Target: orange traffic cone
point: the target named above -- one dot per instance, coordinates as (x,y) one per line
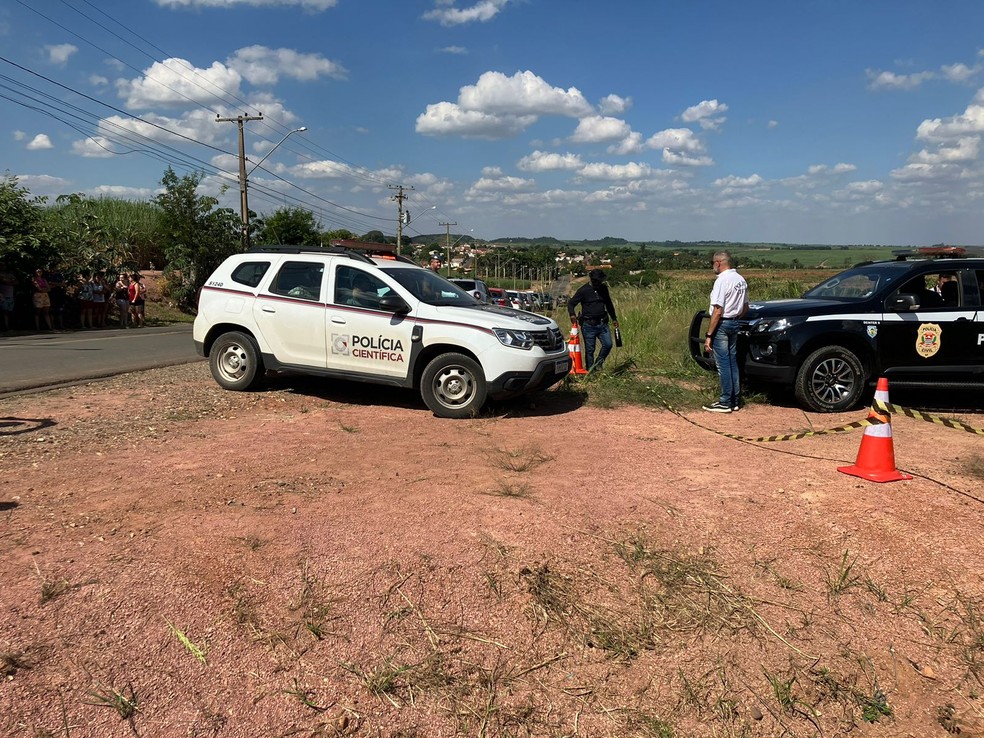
(574,349)
(876,457)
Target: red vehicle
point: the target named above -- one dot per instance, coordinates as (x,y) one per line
(497,295)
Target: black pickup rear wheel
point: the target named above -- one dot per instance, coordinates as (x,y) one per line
(831,380)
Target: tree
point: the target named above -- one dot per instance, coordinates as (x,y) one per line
(23,245)
(195,234)
(103,233)
(293,226)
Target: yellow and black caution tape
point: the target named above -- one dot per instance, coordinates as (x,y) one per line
(887,407)
(877,406)
(847,427)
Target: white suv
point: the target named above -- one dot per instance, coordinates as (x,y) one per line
(373,317)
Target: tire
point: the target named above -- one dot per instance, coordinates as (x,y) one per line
(453,386)
(235,362)
(831,380)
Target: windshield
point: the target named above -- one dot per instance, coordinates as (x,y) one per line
(431,288)
(859,283)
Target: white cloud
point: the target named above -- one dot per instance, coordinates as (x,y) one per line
(772,124)
(674,159)
(733,181)
(39,142)
(971,121)
(596,128)
(522,94)
(328,169)
(959,72)
(706,113)
(448,15)
(260,65)
(448,119)
(230,4)
(631,144)
(599,170)
(677,139)
(95,147)
(44,184)
(60,53)
(97,80)
(962,150)
(543,161)
(19,135)
(454,50)
(869,187)
(498,106)
(177,82)
(892,81)
(614,105)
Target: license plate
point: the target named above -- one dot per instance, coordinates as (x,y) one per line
(562,367)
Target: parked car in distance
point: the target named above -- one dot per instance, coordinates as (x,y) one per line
(474,287)
(498,296)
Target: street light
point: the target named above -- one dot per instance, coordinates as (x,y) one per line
(244,179)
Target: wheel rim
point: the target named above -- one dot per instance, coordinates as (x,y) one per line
(454,387)
(833,381)
(233,362)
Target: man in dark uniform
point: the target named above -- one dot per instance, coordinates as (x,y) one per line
(596,309)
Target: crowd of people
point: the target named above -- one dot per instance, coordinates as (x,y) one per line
(50,300)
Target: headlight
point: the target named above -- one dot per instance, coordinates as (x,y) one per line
(516,339)
(773,326)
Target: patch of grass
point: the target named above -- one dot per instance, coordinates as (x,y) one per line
(519,460)
(305,697)
(381,680)
(504,488)
(313,604)
(842,578)
(347,428)
(193,648)
(124,702)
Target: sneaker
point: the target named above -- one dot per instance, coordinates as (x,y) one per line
(718,407)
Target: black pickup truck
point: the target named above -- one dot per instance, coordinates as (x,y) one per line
(917,320)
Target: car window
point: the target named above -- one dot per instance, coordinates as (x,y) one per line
(926,289)
(857,284)
(300,279)
(358,288)
(431,288)
(250,273)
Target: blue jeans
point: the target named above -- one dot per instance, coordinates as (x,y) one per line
(724,346)
(591,334)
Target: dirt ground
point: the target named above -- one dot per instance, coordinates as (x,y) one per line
(177,560)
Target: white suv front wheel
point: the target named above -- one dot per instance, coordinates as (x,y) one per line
(453,386)
(235,361)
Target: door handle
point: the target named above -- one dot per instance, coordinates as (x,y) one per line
(338,321)
(267,309)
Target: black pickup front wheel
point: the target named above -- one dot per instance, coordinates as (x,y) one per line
(831,380)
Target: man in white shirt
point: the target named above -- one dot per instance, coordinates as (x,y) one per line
(729,302)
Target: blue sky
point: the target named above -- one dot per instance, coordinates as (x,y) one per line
(801,122)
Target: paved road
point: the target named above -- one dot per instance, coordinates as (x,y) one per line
(31,361)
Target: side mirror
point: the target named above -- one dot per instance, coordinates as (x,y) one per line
(902,303)
(393,304)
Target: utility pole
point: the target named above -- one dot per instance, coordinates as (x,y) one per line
(447,242)
(404,217)
(243,201)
